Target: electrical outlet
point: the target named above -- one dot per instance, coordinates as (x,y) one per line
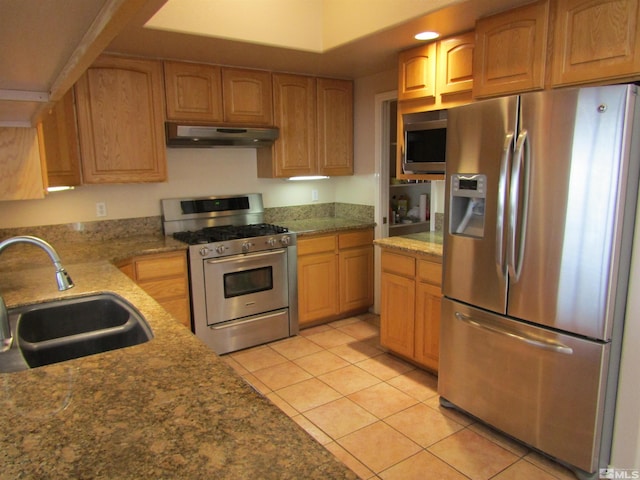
(101,209)
(314,195)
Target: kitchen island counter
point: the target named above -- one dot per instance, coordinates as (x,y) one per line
(168,408)
(319,225)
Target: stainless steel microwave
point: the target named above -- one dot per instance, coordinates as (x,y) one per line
(425,146)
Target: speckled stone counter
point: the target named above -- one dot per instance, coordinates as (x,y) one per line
(169,408)
(313,226)
(428,243)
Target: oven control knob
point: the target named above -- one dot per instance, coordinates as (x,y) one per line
(220,249)
(246,246)
(272,242)
(204,251)
(285,240)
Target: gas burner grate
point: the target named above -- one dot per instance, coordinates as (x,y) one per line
(229,232)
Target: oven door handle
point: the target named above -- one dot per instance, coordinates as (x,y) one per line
(248,256)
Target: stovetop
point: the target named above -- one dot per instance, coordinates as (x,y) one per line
(228,232)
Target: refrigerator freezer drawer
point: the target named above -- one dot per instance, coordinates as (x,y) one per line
(539,386)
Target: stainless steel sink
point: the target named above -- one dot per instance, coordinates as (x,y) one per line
(60,330)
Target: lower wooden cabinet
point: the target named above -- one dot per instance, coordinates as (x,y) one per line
(410,307)
(335,275)
(164,276)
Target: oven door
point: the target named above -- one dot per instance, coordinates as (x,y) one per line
(243,285)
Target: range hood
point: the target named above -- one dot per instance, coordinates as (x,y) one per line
(197,136)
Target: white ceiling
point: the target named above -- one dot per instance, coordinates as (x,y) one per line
(341,38)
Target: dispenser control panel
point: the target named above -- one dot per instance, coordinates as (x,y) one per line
(469,186)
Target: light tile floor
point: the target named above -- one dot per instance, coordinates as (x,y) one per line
(379,414)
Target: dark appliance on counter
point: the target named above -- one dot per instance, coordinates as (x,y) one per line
(541,194)
(242,271)
(425,142)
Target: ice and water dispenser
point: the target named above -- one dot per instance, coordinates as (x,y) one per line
(468,193)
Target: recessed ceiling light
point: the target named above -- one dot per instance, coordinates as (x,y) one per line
(427,35)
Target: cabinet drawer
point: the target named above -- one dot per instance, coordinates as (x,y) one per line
(430,272)
(317,244)
(161,266)
(355,239)
(399,264)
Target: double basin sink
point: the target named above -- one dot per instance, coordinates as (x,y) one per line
(61,330)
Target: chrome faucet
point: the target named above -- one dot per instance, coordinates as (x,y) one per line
(62,278)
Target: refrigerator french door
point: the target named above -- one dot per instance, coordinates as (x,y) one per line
(539,212)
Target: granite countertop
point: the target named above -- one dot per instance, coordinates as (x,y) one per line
(428,243)
(319,225)
(168,408)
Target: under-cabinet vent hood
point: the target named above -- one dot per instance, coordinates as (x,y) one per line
(195,136)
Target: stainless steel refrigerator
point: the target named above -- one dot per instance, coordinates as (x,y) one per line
(539,212)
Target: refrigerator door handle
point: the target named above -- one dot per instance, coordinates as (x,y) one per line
(502,196)
(542,343)
(515,246)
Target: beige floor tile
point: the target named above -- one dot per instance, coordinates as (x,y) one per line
(385,366)
(340,417)
(382,400)
(251,379)
(305,332)
(308,394)
(350,461)
(378,446)
(282,404)
(360,330)
(349,379)
(257,358)
(452,413)
(321,437)
(422,466)
(507,443)
(558,471)
(417,383)
(331,338)
(523,470)
(423,425)
(473,455)
(344,321)
(355,352)
(281,375)
(234,364)
(295,347)
(321,362)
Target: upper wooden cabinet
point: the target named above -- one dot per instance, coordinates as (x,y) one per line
(510,51)
(315,117)
(209,93)
(334,101)
(247,96)
(596,40)
(455,64)
(22,164)
(193,92)
(120,107)
(417,72)
(59,134)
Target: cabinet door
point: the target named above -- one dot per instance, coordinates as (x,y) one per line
(596,40)
(417,72)
(294,152)
(397,313)
(120,107)
(510,51)
(427,328)
(247,96)
(455,64)
(21,164)
(356,278)
(317,287)
(193,92)
(60,138)
(335,126)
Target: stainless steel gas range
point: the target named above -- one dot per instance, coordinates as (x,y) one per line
(243,272)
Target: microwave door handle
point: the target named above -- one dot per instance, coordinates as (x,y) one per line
(502,202)
(519,176)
